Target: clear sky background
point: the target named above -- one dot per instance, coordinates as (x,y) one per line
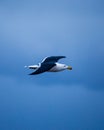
(33,29)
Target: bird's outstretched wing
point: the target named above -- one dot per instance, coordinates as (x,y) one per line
(43,68)
(52,59)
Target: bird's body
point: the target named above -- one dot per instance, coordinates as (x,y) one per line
(49,64)
(58,67)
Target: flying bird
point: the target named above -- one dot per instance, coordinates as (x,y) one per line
(49,64)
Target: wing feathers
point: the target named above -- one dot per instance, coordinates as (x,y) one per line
(52,59)
(43,68)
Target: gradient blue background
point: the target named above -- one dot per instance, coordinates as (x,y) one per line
(33,29)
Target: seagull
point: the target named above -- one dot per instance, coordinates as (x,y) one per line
(49,64)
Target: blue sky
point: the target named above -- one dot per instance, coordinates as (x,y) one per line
(32,30)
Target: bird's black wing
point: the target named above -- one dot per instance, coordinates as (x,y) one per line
(43,68)
(52,59)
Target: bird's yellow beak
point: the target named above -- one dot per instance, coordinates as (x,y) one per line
(69,68)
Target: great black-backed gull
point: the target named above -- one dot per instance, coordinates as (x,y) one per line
(49,64)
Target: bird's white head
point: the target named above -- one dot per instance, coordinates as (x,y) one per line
(67,67)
